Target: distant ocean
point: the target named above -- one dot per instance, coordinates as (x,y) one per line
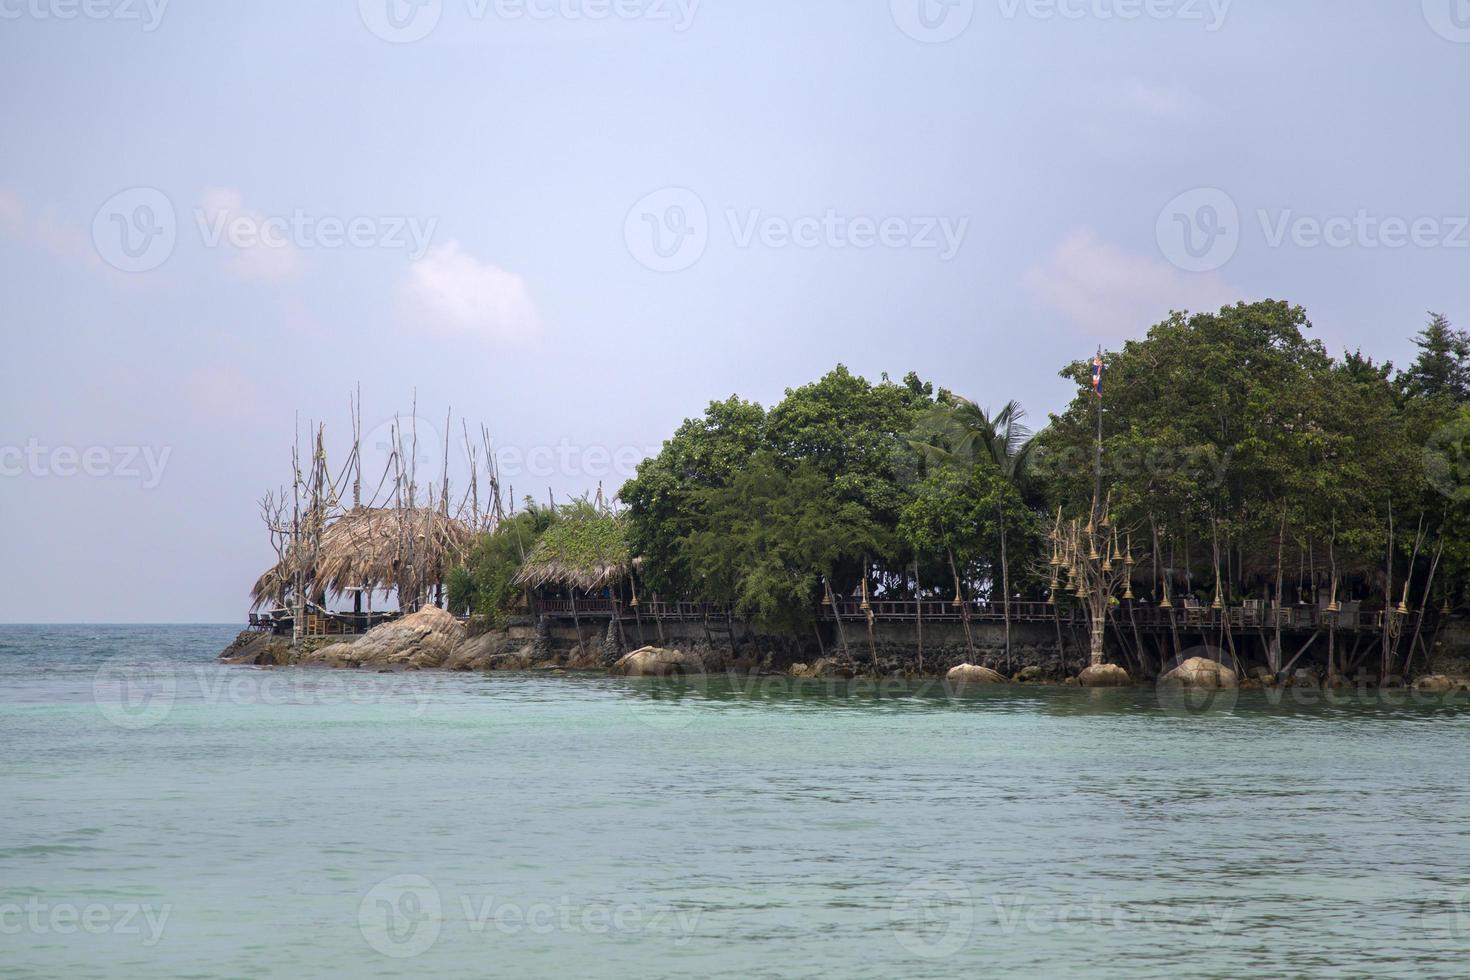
(166,816)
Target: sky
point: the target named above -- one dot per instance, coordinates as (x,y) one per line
(577,222)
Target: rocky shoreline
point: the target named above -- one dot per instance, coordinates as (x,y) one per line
(433,640)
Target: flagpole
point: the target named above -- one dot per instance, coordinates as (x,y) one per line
(1097,464)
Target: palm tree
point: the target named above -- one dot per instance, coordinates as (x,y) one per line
(972,433)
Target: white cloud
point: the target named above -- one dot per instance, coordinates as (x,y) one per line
(1105,289)
(453,292)
(12,214)
(258,250)
(1169,103)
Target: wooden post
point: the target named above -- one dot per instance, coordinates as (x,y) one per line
(919,613)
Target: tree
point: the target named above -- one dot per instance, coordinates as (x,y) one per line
(664,499)
(1442,369)
(965,433)
(483,585)
(768,538)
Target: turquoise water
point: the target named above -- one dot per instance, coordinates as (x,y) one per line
(165,816)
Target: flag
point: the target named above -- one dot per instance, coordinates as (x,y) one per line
(1097,371)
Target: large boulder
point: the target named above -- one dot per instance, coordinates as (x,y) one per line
(332,655)
(1441,684)
(492,650)
(1104,675)
(657,662)
(420,641)
(259,649)
(1201,672)
(973,674)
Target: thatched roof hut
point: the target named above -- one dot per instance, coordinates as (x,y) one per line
(582,550)
(378,549)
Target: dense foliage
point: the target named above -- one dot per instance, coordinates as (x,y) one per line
(1237,453)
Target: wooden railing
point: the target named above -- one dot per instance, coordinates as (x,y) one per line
(1066,613)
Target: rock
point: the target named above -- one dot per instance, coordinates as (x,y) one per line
(260,649)
(656,662)
(1070,682)
(1104,675)
(333,655)
(1304,678)
(1200,672)
(801,670)
(424,639)
(1031,675)
(971,674)
(1261,673)
(1441,684)
(831,667)
(480,652)
(1252,684)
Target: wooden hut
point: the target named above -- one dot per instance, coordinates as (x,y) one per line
(408,551)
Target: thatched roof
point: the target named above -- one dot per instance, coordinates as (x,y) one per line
(376,548)
(580,550)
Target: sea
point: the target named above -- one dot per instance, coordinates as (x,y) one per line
(167,816)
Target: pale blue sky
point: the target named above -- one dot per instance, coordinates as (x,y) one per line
(1048,141)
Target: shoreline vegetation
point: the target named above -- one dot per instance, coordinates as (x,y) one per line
(1222,504)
